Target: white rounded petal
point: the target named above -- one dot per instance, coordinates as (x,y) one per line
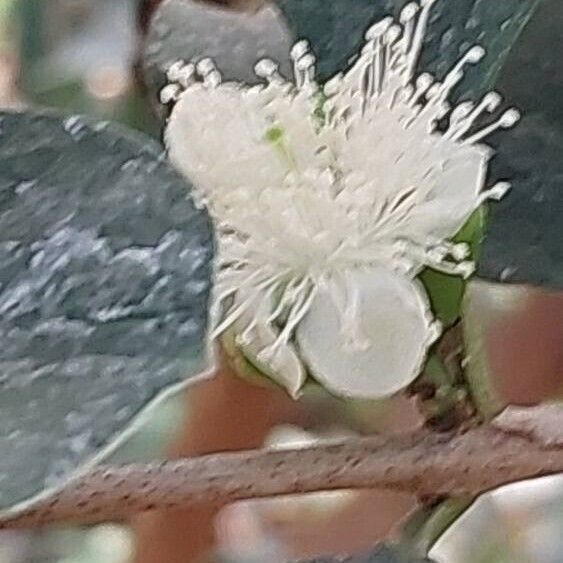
(232,137)
(454,194)
(396,328)
(444,180)
(215,137)
(283,366)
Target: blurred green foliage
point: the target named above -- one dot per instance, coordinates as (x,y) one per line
(81,57)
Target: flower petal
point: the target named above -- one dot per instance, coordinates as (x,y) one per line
(454,193)
(232,137)
(255,335)
(393,315)
(382,160)
(283,365)
(214,137)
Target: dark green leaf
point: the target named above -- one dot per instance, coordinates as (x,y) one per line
(446,292)
(76,56)
(523,243)
(525,231)
(190,30)
(457,24)
(104,288)
(336,31)
(383,554)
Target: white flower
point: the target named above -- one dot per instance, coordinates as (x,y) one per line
(329,201)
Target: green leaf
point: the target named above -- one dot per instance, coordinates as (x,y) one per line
(457,24)
(105,267)
(65,56)
(383,554)
(446,292)
(336,31)
(525,230)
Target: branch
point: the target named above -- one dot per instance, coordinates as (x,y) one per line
(423,463)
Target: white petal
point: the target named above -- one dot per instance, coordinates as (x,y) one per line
(215,138)
(381,161)
(386,139)
(395,321)
(221,137)
(454,194)
(284,366)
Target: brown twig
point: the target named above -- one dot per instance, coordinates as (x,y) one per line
(423,463)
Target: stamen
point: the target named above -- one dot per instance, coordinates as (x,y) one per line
(285,300)
(181,73)
(366,64)
(378,67)
(389,40)
(299,49)
(379,29)
(298,310)
(350,329)
(245,336)
(270,283)
(205,66)
(268,69)
(170,93)
(187,76)
(332,86)
(174,71)
(392,34)
(213,79)
(423,83)
(434,257)
(490,103)
(409,12)
(228,292)
(507,120)
(458,118)
(418,38)
(408,93)
(231,317)
(408,15)
(306,66)
(434,90)
(473,56)
(208,71)
(464,269)
(496,193)
(460,251)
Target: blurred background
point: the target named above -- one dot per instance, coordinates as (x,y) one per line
(83,56)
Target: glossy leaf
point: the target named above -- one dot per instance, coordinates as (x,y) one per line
(336,31)
(446,292)
(104,287)
(524,237)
